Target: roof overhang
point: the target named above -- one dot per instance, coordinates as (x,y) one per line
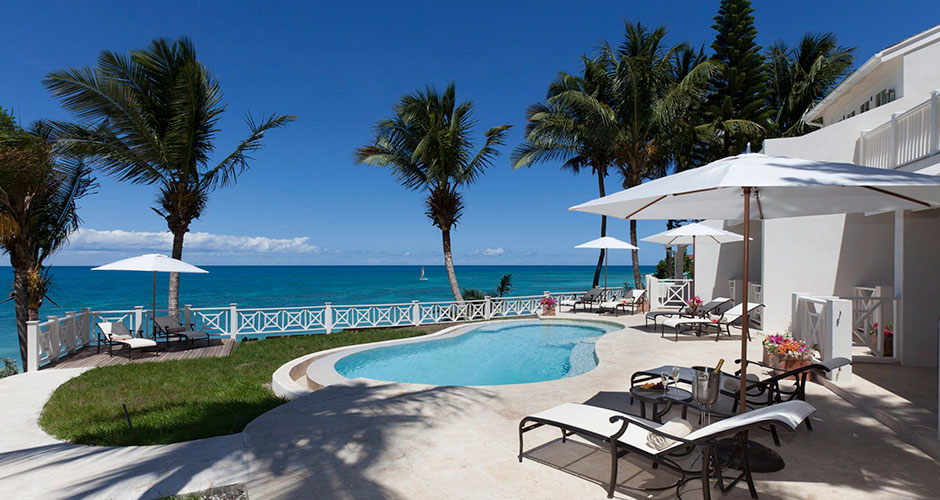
(915,42)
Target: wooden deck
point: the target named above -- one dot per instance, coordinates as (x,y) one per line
(87,357)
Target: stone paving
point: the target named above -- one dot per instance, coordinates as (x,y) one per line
(370,440)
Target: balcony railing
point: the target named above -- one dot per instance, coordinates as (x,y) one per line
(906,138)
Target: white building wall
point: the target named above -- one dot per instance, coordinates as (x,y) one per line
(830,255)
(716,264)
(921,301)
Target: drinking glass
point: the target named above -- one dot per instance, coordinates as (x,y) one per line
(675,376)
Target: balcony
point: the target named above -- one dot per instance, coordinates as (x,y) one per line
(908,137)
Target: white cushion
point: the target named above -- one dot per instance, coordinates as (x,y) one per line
(676,427)
(674,322)
(136,343)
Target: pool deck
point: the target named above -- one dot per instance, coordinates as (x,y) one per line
(371,440)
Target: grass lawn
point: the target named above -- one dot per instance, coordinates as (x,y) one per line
(189,399)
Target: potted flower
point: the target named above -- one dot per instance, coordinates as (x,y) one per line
(784,353)
(694,304)
(887,338)
(548,306)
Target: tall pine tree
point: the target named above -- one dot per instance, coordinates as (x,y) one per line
(737,111)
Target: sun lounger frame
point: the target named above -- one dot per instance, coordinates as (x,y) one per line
(706,445)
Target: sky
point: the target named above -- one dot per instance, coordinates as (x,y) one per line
(340,66)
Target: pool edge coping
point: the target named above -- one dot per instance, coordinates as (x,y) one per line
(321,371)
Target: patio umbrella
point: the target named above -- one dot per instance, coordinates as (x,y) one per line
(607,243)
(686,235)
(757,186)
(152,262)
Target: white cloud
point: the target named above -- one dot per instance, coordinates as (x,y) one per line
(118,240)
(494,251)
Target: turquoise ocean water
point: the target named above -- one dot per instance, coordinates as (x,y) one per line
(267,286)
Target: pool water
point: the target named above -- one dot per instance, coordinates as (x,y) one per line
(515,352)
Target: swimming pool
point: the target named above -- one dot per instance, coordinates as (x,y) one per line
(514,352)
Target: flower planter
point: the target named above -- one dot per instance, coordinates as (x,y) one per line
(783,364)
(548,310)
(888,347)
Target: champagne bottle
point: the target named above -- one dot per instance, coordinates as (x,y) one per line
(720,362)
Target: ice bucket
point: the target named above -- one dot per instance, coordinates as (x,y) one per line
(705,386)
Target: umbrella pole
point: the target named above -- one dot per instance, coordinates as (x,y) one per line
(606,256)
(153,315)
(746,319)
(693,266)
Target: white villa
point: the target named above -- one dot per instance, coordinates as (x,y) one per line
(886,115)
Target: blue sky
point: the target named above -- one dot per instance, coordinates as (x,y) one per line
(340,66)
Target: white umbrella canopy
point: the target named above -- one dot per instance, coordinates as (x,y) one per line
(757,186)
(689,233)
(151,262)
(154,262)
(607,243)
(779,186)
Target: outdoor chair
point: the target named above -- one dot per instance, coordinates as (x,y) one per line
(589,298)
(768,391)
(724,321)
(116,333)
(713,306)
(664,445)
(632,299)
(169,327)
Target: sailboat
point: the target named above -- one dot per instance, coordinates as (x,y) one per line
(422,278)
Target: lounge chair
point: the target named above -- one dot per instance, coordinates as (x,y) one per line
(169,327)
(632,299)
(589,298)
(713,306)
(664,444)
(760,392)
(116,333)
(725,320)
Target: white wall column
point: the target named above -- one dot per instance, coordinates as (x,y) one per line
(899,285)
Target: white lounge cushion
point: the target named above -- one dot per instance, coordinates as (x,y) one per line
(568,302)
(675,322)
(676,427)
(610,304)
(597,421)
(136,343)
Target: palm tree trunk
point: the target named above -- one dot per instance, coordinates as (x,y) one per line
(600,258)
(449,265)
(637,283)
(173,301)
(23,314)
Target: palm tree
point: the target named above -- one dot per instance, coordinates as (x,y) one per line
(150,118)
(648,106)
(39,187)
(504,286)
(800,76)
(426,142)
(580,136)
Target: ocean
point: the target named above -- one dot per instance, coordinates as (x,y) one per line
(73,288)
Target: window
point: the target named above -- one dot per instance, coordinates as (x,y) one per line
(864,107)
(884,97)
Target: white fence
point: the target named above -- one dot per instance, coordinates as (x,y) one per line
(57,337)
(668,292)
(873,309)
(826,323)
(908,137)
